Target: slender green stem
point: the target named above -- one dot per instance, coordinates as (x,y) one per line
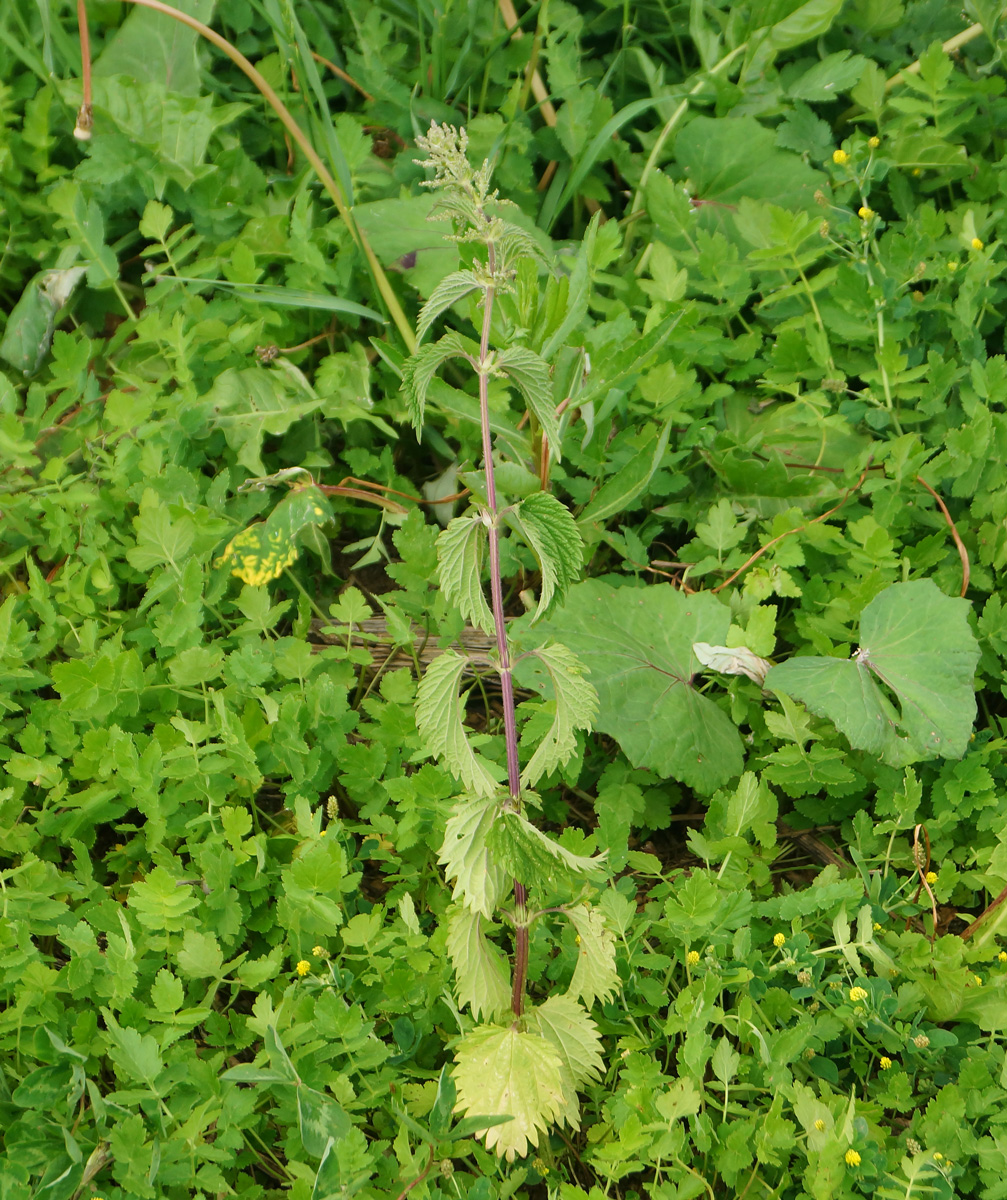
(328,182)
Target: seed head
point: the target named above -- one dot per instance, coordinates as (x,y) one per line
(921,1041)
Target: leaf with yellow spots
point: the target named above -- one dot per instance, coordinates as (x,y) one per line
(265,550)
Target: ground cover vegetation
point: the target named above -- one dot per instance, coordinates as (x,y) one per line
(508,704)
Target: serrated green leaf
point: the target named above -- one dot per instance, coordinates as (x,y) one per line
(480,881)
(916,642)
(439,719)
(530,375)
(450,290)
(526,853)
(594,976)
(507,1072)
(481,979)
(555,540)
(564,1023)
(264,551)
(637,644)
(420,368)
(629,481)
(576,706)
(460,549)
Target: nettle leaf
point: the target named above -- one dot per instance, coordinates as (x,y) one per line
(264,551)
(525,852)
(551,532)
(481,978)
(480,882)
(595,976)
(576,706)
(439,719)
(450,290)
(502,1072)
(460,550)
(530,375)
(916,642)
(419,370)
(564,1023)
(637,644)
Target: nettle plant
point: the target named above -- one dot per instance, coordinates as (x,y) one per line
(522,1060)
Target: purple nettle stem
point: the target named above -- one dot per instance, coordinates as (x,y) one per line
(503,649)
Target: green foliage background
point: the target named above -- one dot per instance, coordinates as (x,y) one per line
(795,305)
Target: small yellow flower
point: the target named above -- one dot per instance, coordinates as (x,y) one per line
(938,1157)
(931,877)
(917,171)
(874,142)
(820,1125)
(1002,956)
(865,213)
(977,243)
(692,958)
(857,994)
(978,980)
(952,266)
(852,1158)
(323,832)
(303,967)
(840,157)
(877,926)
(885,1063)
(779,939)
(318,951)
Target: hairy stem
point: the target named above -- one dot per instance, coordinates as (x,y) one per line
(503,648)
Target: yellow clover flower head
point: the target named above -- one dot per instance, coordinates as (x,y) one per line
(865,213)
(874,142)
(692,958)
(303,967)
(779,939)
(885,1063)
(840,158)
(857,994)
(852,1158)
(318,951)
(820,1125)
(938,1157)
(1002,956)
(977,243)
(978,980)
(952,266)
(931,877)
